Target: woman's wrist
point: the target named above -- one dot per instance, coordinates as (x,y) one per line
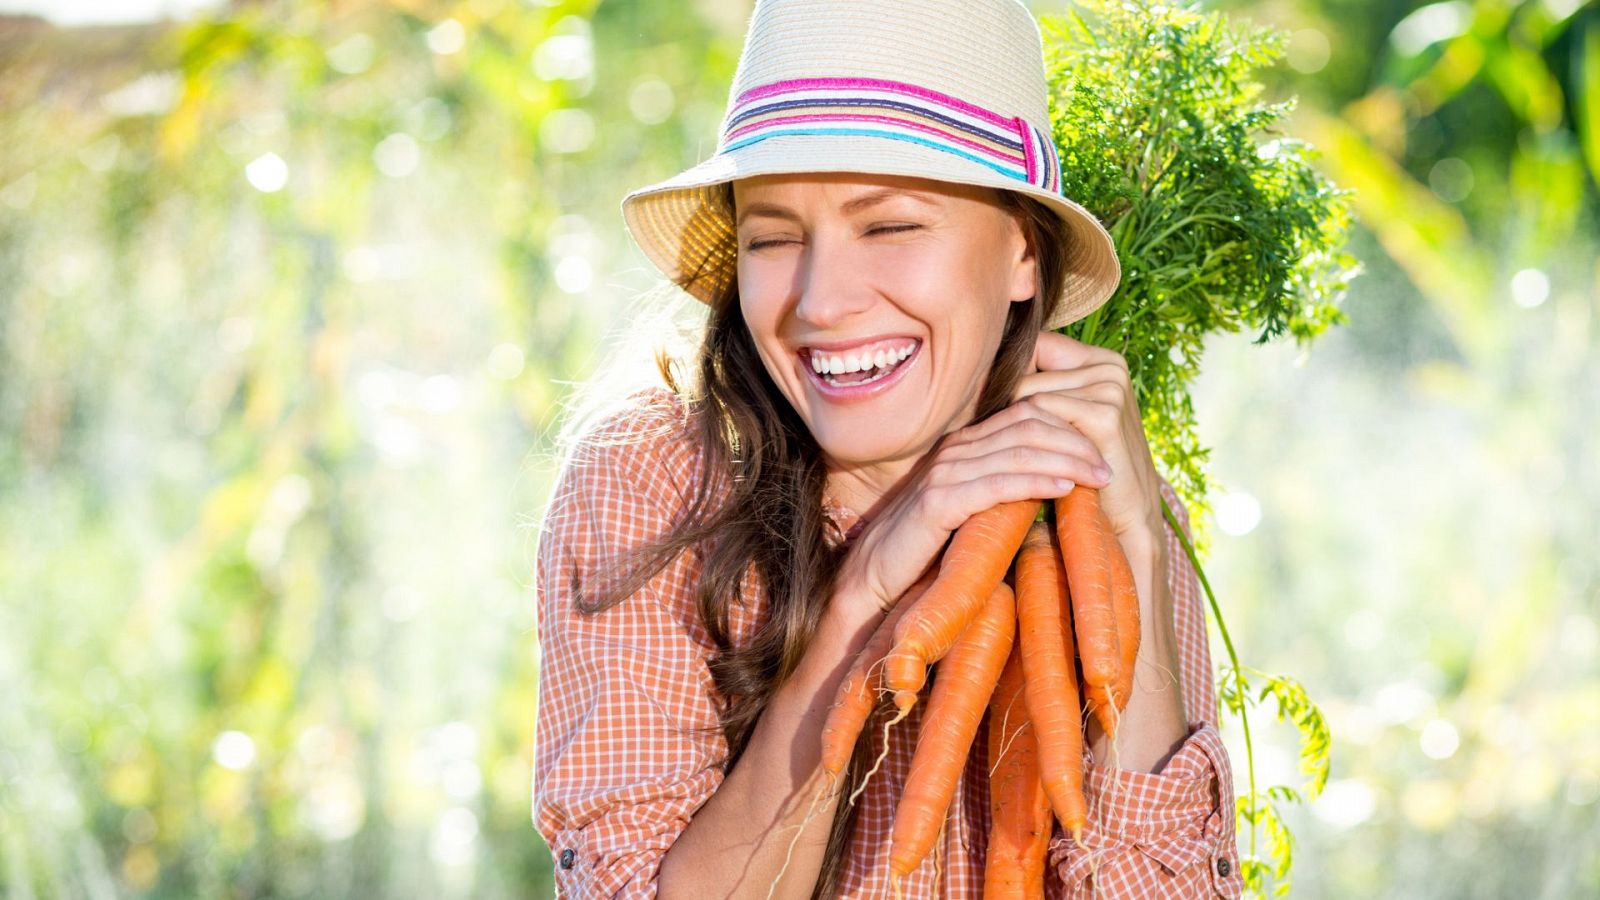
(854,610)
(855,591)
(1153,725)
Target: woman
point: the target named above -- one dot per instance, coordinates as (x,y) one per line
(879,238)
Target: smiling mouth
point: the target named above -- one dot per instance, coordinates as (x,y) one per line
(870,369)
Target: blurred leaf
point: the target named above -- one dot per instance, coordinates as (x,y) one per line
(1526,83)
(1587,64)
(1547,187)
(1428,238)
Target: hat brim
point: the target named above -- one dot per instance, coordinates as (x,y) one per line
(685,228)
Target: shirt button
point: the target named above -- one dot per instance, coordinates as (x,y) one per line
(1224,866)
(568,858)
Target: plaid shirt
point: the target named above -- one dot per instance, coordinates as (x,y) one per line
(627,743)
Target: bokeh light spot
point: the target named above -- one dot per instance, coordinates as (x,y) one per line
(1238,513)
(1451,179)
(506,362)
(1308,51)
(267,173)
(1345,803)
(447,37)
(567,131)
(1530,288)
(234,750)
(397,155)
(1439,739)
(353,55)
(651,101)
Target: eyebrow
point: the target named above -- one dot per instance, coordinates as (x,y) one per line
(851,207)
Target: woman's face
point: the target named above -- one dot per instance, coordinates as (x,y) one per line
(909,278)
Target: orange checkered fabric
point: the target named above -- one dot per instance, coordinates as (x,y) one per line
(628,744)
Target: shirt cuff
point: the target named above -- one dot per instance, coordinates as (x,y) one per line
(1175,818)
(586,867)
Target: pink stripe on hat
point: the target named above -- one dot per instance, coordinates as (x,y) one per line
(898,87)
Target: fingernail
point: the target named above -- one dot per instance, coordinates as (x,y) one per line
(1102,473)
(1063,484)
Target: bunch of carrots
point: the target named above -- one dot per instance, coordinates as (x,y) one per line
(1010,652)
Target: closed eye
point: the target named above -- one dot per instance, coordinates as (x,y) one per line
(881,229)
(892,229)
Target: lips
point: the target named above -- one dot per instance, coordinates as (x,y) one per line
(857,374)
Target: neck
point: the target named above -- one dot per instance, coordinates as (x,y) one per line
(864,488)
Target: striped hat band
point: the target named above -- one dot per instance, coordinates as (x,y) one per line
(875,107)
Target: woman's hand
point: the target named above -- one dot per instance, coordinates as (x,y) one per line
(1087,388)
(1026,451)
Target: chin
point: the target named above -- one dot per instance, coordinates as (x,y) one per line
(876,443)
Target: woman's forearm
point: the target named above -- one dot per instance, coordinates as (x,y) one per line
(1154,724)
(736,843)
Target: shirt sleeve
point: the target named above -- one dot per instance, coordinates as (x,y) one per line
(627,740)
(1167,834)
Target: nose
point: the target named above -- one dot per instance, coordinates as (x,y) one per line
(830,285)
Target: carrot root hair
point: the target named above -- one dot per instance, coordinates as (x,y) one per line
(901,714)
(788,855)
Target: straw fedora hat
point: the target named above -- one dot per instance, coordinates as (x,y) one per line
(951,90)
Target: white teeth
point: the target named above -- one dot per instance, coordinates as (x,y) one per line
(850,362)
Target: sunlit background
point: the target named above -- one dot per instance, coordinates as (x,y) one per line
(290,294)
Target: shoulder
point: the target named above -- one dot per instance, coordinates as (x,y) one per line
(629,477)
(628,470)
(647,437)
(652,416)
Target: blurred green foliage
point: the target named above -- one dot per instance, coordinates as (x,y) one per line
(290,297)
(286,294)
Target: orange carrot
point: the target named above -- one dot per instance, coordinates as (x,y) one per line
(1106,701)
(1125,604)
(1019,810)
(1089,576)
(976,559)
(961,693)
(1097,702)
(1049,683)
(856,697)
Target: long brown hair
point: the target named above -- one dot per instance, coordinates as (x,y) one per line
(759,510)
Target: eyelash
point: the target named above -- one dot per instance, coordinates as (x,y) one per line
(885,229)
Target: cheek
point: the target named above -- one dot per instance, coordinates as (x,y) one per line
(977,327)
(761,320)
(761,295)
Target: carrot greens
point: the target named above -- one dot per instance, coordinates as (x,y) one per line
(1221,223)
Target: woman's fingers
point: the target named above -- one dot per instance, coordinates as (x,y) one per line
(950,505)
(1037,444)
(1052,352)
(1028,423)
(1100,418)
(1023,460)
(1103,377)
(1018,411)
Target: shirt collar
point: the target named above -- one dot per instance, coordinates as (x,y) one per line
(845,524)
